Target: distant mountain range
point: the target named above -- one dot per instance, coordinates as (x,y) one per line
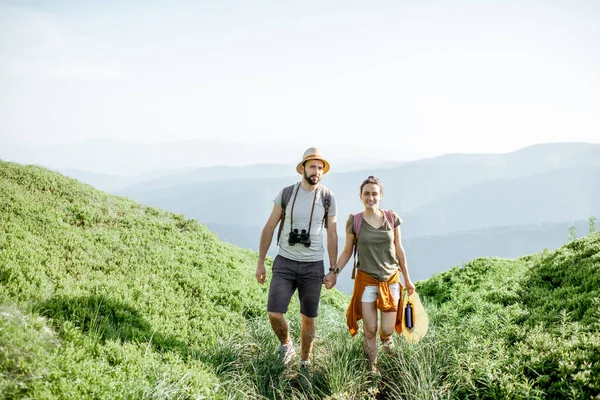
(544,183)
(128,159)
(455,207)
(556,196)
(112,182)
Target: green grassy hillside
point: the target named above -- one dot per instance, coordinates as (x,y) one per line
(103,298)
(523,328)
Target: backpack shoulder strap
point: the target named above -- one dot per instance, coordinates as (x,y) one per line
(326,199)
(286,195)
(356,223)
(389,215)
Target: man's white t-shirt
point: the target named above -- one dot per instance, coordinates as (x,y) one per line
(302,208)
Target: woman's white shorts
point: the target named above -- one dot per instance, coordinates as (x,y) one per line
(371,292)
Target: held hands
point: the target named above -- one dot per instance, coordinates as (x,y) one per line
(261,273)
(330,280)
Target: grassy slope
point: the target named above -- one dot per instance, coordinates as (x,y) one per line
(98,292)
(523,328)
(101,297)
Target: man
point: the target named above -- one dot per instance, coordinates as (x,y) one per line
(299,263)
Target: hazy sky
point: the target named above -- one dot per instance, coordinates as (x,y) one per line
(427,77)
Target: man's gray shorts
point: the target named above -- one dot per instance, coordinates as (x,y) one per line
(288,275)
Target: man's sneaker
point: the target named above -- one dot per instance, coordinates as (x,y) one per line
(286,352)
(306,378)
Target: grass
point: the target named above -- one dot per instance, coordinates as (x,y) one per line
(104,298)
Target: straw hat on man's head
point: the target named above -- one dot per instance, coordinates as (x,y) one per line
(313,153)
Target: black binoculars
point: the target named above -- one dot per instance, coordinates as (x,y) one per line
(302,237)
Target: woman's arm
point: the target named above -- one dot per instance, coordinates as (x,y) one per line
(332,241)
(347,252)
(331,279)
(401,255)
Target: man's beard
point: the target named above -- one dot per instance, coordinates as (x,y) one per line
(311,180)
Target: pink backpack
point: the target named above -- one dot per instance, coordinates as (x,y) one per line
(389,216)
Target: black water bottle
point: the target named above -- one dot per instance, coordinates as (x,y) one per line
(408,316)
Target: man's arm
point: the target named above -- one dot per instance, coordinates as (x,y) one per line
(265,242)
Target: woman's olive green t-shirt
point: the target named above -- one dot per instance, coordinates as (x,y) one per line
(376,250)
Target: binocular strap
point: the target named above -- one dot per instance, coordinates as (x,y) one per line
(311,211)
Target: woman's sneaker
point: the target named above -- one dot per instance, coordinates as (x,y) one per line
(387,345)
(286,352)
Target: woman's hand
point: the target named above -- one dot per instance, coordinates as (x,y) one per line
(410,287)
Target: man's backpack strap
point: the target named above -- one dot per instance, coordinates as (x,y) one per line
(286,195)
(357,222)
(326,197)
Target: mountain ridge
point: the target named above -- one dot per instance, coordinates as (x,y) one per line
(406,188)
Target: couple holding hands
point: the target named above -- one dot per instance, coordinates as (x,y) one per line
(303,211)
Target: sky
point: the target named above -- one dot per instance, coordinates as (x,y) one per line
(420,77)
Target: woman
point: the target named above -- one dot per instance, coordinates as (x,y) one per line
(377,283)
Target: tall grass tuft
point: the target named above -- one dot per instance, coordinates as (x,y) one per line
(248,368)
(416,371)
